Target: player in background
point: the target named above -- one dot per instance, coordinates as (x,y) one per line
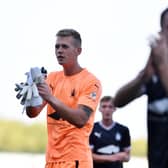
(109,140)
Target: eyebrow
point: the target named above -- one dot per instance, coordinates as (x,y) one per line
(57,46)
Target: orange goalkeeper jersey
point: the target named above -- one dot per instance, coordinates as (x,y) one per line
(65,141)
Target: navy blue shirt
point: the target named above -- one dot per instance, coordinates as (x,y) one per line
(109,141)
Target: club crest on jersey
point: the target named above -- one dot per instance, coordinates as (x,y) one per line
(93,95)
(118,136)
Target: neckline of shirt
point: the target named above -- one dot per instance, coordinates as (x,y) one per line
(73,76)
(107,127)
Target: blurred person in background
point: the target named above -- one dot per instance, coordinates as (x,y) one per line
(153,82)
(109,140)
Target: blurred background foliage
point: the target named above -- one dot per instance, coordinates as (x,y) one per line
(17,136)
(139,148)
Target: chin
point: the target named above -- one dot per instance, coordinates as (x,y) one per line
(60,63)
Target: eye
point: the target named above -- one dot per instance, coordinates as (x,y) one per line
(65,46)
(107,106)
(57,46)
(104,106)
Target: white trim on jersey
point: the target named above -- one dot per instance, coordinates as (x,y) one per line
(107,127)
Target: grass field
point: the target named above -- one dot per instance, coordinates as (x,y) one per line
(20,137)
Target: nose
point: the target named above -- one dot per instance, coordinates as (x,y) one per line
(58,50)
(58,47)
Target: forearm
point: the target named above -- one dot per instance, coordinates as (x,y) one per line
(121,156)
(101,158)
(129,92)
(76,116)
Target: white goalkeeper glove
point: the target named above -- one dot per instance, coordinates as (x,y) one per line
(28,90)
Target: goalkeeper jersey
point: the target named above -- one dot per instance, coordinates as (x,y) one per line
(65,141)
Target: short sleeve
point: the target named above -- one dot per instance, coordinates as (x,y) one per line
(126,141)
(91,94)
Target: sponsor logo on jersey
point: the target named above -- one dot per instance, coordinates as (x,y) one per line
(109,149)
(93,95)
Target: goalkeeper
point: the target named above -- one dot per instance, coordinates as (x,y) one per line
(72,96)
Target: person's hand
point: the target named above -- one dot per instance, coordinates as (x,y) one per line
(44,90)
(160,52)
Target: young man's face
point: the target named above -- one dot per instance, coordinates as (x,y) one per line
(107,108)
(65,50)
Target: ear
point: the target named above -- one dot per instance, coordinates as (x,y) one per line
(79,50)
